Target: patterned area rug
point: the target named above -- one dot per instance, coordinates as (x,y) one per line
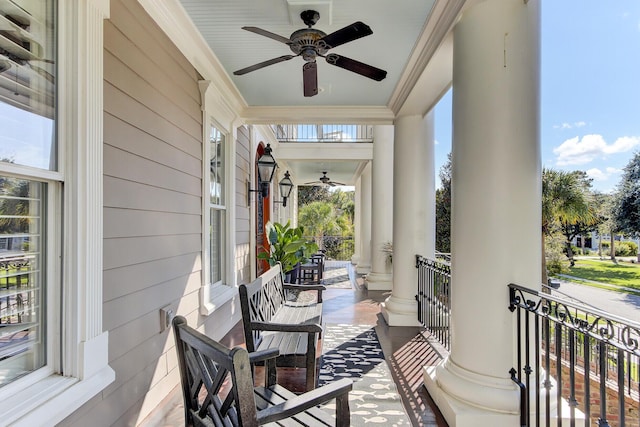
(336,276)
(353,351)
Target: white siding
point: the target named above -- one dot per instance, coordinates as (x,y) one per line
(243,223)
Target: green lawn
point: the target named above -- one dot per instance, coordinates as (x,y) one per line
(605,271)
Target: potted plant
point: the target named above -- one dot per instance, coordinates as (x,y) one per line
(288,247)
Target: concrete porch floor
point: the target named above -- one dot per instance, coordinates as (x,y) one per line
(406,350)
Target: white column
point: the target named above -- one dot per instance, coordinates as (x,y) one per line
(381,207)
(357,209)
(495,207)
(413,214)
(364,263)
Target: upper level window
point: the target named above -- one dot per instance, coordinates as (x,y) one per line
(27,83)
(217,208)
(27,138)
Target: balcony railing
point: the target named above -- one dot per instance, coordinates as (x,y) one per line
(587,361)
(323,133)
(338,248)
(434,298)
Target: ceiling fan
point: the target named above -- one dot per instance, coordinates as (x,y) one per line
(311,43)
(324,180)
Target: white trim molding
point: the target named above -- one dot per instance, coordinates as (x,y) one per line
(81,110)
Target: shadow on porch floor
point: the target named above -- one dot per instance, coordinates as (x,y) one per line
(406,350)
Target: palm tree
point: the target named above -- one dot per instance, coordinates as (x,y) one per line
(565,200)
(319,219)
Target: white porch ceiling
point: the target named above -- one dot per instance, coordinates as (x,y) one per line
(411,40)
(396,26)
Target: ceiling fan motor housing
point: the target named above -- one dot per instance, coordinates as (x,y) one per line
(307,43)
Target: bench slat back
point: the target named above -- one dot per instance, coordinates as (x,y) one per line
(260,300)
(216,381)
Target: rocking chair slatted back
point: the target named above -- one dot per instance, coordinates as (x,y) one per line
(266,295)
(205,363)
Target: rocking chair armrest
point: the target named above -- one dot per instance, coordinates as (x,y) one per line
(293,287)
(267,356)
(286,327)
(262,355)
(305,401)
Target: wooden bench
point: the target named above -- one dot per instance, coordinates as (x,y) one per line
(271,319)
(218,387)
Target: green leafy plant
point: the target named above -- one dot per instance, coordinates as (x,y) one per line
(287,246)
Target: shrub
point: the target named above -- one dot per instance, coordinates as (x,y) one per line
(556,257)
(626,249)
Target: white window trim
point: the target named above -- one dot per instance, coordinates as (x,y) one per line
(83,369)
(216,113)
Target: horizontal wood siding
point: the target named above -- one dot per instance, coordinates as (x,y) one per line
(152,214)
(243,222)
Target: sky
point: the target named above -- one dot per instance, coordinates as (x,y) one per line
(590,89)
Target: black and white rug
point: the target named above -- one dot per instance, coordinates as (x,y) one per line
(336,275)
(353,351)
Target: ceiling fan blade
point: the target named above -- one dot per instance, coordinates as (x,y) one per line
(269,34)
(263,64)
(347,34)
(310,78)
(356,66)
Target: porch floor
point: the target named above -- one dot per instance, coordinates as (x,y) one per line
(406,350)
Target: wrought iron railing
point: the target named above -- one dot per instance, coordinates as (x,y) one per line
(337,248)
(434,298)
(323,133)
(574,359)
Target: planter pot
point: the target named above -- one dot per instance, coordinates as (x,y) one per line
(291,276)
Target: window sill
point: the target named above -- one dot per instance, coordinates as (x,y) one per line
(53,399)
(213,297)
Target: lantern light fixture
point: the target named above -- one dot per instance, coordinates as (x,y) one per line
(266,169)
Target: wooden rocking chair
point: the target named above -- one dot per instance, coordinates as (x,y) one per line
(218,387)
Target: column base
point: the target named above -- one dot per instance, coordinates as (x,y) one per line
(399,312)
(461,414)
(363,268)
(468,398)
(379,282)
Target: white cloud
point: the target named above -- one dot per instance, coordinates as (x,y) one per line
(599,175)
(566,125)
(576,151)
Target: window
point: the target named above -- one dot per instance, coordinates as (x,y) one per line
(217,208)
(53,360)
(28,146)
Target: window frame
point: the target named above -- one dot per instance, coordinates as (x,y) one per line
(214,295)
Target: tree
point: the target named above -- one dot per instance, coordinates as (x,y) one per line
(315,193)
(564,201)
(574,227)
(626,209)
(443,209)
(344,202)
(603,205)
(319,219)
